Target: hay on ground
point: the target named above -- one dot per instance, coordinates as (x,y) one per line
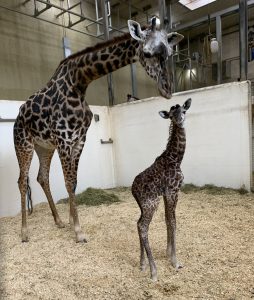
(214,243)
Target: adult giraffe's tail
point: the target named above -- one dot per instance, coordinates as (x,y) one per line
(29,198)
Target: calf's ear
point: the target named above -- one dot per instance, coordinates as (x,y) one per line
(164,114)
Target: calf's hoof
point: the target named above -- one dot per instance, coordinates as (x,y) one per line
(24,236)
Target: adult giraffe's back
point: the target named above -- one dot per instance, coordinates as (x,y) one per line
(58,117)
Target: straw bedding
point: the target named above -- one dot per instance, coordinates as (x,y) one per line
(214,243)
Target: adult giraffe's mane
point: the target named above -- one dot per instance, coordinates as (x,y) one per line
(99,46)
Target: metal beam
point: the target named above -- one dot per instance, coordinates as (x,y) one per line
(38,12)
(71,7)
(243,23)
(106,37)
(47,21)
(2,120)
(69,11)
(219,54)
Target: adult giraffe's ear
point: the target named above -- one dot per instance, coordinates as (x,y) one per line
(164,114)
(174,38)
(135,30)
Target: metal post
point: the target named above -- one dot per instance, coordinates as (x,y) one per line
(133,67)
(163,12)
(171,61)
(166,14)
(133,80)
(219,54)
(106,37)
(243,22)
(190,63)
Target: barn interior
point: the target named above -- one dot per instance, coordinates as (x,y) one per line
(214,66)
(37,35)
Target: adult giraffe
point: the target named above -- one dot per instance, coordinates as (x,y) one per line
(58,117)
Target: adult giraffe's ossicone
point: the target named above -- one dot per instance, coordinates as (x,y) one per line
(57,116)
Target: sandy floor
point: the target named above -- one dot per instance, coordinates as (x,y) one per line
(215,243)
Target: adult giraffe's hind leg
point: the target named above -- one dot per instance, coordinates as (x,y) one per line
(24,150)
(45,157)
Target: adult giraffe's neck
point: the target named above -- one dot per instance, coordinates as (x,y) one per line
(176,144)
(95,62)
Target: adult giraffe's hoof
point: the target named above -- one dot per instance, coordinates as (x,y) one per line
(60,224)
(80,238)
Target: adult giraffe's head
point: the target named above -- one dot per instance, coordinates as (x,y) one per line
(155,47)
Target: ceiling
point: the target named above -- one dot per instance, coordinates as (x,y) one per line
(192,23)
(142,10)
(179,12)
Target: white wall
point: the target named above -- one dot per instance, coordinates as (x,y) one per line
(218,136)
(218,144)
(95,167)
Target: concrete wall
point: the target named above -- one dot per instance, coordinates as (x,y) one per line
(218,136)
(218,148)
(95,167)
(31,50)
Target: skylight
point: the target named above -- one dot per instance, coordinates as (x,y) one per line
(194,4)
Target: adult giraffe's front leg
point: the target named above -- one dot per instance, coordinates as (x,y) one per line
(70,159)
(170,201)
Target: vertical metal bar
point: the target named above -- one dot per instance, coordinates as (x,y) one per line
(97,17)
(105,19)
(169,14)
(69,16)
(35,8)
(106,37)
(129,6)
(190,62)
(81,9)
(190,70)
(219,54)
(133,80)
(109,13)
(133,67)
(118,16)
(171,59)
(243,22)
(163,12)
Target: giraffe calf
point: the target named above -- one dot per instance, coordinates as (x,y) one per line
(163,178)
